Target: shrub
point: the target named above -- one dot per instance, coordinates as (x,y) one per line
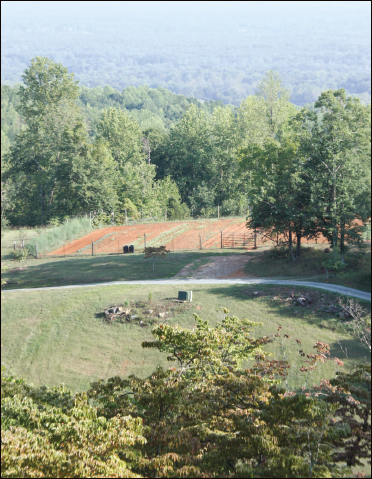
(280,251)
(4,225)
(21,254)
(334,264)
(102,219)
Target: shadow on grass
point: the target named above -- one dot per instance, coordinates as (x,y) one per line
(85,270)
(351,349)
(268,262)
(275,295)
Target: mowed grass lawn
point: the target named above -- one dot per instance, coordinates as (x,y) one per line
(61,336)
(58,271)
(356,274)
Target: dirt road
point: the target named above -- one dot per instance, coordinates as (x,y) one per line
(232,266)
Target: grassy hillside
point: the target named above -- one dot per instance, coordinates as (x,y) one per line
(267,262)
(51,337)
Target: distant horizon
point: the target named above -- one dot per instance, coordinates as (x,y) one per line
(216,50)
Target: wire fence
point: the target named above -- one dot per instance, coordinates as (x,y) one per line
(225,233)
(191,240)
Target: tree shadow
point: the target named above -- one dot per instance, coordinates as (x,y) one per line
(275,298)
(350,349)
(101,268)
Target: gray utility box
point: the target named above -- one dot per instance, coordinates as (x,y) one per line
(184,295)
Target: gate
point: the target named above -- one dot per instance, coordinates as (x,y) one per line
(238,240)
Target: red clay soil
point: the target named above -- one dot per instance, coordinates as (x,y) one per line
(184,237)
(177,236)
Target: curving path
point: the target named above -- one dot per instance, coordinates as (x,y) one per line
(310,284)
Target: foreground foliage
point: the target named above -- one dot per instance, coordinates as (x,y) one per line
(207,417)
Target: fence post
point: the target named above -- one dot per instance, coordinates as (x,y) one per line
(144,239)
(221,240)
(14,245)
(92,247)
(200,241)
(22,244)
(218,212)
(35,251)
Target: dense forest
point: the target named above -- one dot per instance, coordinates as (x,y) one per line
(70,150)
(206,50)
(150,107)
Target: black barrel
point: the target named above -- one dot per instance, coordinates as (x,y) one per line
(131,249)
(125,248)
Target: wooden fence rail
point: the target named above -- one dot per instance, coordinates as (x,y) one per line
(238,240)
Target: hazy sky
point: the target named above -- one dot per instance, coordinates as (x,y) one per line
(40,11)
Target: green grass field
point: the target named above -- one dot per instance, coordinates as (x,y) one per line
(53,337)
(357,273)
(58,271)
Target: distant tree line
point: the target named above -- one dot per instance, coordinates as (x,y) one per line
(207,51)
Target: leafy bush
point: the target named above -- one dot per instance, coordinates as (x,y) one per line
(334,263)
(102,219)
(21,254)
(177,210)
(132,211)
(280,251)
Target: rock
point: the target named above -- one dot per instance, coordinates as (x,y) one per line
(150,311)
(302,301)
(161,315)
(134,316)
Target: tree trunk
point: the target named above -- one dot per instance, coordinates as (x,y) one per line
(41,205)
(298,248)
(334,219)
(290,242)
(342,241)
(51,196)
